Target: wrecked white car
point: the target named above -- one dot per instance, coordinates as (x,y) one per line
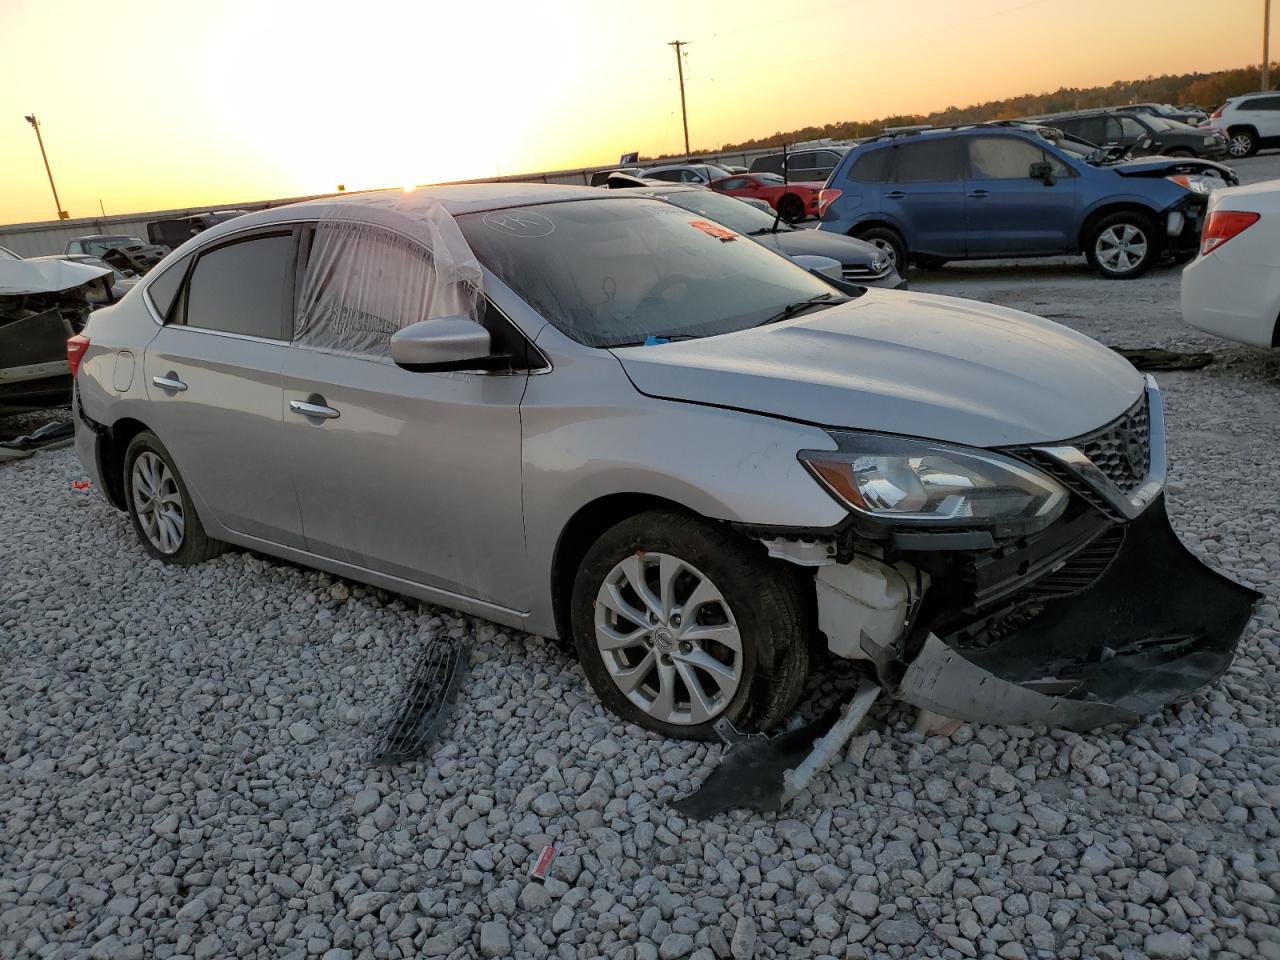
(598,417)
(42,303)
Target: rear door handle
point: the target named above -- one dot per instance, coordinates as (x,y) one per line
(169,381)
(980,193)
(318,410)
(895,194)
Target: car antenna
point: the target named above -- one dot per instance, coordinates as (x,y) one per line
(777,209)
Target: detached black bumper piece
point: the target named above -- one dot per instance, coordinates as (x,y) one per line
(1154,628)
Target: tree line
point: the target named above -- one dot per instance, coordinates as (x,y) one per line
(1205,90)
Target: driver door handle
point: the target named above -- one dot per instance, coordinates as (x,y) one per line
(317,410)
(169,382)
(895,194)
(980,193)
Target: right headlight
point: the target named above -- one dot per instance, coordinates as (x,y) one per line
(926,483)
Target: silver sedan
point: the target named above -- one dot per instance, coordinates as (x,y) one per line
(599,417)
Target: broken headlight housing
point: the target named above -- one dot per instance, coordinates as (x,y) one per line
(926,483)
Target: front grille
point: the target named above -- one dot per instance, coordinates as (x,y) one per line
(1122,449)
(855,272)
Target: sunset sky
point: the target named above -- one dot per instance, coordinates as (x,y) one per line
(152,105)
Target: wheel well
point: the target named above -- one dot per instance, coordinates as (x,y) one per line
(1246,127)
(583,529)
(1086,228)
(864,225)
(111,458)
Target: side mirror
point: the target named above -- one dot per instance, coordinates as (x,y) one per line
(1042,171)
(828,268)
(443,344)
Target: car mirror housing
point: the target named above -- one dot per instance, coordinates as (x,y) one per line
(1043,172)
(441,344)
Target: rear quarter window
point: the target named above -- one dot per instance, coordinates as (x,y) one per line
(874,166)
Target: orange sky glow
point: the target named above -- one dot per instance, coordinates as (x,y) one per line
(186,104)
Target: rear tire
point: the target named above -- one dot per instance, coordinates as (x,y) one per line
(643,650)
(1123,245)
(791,208)
(1242,142)
(889,241)
(160,506)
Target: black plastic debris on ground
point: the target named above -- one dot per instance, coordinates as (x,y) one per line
(1155,358)
(57,433)
(751,773)
(437,675)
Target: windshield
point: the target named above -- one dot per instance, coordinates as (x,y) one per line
(618,270)
(100,245)
(725,210)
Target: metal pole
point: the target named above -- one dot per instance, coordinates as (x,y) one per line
(684,115)
(1266,44)
(35,124)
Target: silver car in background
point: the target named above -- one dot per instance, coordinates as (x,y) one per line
(596,416)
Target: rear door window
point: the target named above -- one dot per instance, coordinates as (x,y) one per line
(929,161)
(244,287)
(1261,103)
(163,288)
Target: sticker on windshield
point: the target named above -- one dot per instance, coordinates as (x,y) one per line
(713,230)
(520,223)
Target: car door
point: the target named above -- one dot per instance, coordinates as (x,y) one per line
(412,475)
(1007,212)
(212,375)
(926,195)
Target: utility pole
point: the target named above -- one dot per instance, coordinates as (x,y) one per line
(35,125)
(1266,44)
(684,114)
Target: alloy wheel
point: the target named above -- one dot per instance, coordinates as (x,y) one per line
(885,247)
(668,638)
(158,502)
(1120,248)
(1240,145)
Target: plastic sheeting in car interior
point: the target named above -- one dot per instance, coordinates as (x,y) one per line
(376,267)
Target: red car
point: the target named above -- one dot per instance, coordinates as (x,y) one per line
(794,201)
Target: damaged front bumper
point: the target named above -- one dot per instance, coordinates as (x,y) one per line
(1102,618)
(1156,626)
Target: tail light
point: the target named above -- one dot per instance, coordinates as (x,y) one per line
(76,348)
(826,197)
(1222,225)
(1216,115)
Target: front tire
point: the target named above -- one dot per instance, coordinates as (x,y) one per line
(160,506)
(678,623)
(1123,245)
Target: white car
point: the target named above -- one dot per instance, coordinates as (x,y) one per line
(1232,288)
(1251,121)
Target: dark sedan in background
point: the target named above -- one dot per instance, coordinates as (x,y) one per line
(860,262)
(1145,134)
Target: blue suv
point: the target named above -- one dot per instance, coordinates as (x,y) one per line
(1003,190)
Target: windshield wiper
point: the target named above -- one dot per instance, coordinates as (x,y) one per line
(800,306)
(658,338)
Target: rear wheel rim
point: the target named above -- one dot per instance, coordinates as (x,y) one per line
(1121,247)
(668,639)
(1240,144)
(887,248)
(158,502)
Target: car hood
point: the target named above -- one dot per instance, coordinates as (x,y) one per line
(794,243)
(45,276)
(1168,166)
(914,364)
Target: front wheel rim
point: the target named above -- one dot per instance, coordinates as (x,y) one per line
(1120,248)
(668,639)
(158,502)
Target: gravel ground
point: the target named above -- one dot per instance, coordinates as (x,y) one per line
(184,767)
